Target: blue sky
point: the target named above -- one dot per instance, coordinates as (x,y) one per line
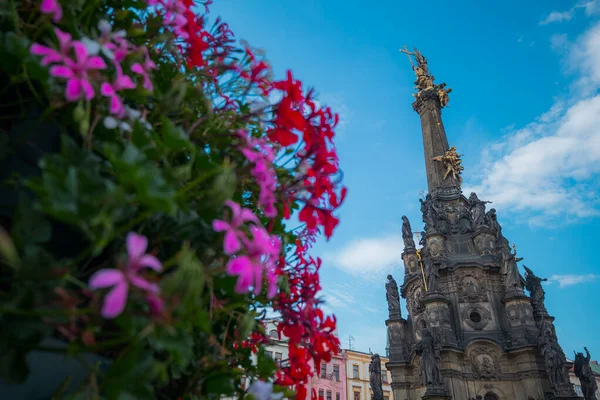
(524,111)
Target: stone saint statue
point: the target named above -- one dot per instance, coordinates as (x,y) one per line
(375,377)
(429,214)
(554,358)
(407,234)
(426,348)
(491,220)
(432,275)
(584,372)
(512,278)
(392,297)
(477,210)
(533,284)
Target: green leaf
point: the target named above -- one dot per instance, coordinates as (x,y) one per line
(173,136)
(265,364)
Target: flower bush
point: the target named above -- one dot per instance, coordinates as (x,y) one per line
(147,174)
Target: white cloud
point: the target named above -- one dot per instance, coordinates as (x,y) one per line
(591,7)
(551,167)
(568,280)
(368,257)
(556,16)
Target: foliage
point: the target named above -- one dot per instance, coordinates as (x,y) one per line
(146,175)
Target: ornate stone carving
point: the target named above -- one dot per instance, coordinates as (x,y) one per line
(414,299)
(519,315)
(485,243)
(432,274)
(585,374)
(484,361)
(476,317)
(411,263)
(436,246)
(392,297)
(438,315)
(471,288)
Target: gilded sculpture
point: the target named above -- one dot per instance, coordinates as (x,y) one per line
(452,162)
(424,79)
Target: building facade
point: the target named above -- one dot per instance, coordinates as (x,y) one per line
(472,332)
(330,383)
(357,372)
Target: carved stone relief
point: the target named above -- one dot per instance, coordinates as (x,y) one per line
(484,361)
(414,299)
(519,314)
(438,315)
(471,287)
(411,264)
(485,243)
(476,317)
(436,246)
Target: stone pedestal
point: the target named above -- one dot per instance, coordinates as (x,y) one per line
(436,394)
(400,339)
(438,318)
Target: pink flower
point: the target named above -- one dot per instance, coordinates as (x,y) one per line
(144,69)
(115,300)
(76,73)
(51,55)
(239,216)
(250,268)
(52,7)
(110,90)
(261,154)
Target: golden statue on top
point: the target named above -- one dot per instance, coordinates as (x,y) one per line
(425,80)
(452,162)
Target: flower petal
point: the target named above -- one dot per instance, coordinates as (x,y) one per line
(95,62)
(115,300)
(231,244)
(137,68)
(87,89)
(151,262)
(220,226)
(105,278)
(73,90)
(60,71)
(64,39)
(80,52)
(116,106)
(106,89)
(144,284)
(136,245)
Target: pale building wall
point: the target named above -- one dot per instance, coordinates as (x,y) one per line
(359,388)
(328,384)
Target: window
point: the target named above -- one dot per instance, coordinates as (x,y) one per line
(273,333)
(278,357)
(336,372)
(269,353)
(329,395)
(355,371)
(321,395)
(384,376)
(337,396)
(357,395)
(386,397)
(323,370)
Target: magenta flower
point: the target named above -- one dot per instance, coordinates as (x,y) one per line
(233,235)
(110,90)
(137,259)
(76,73)
(52,7)
(250,268)
(261,155)
(51,55)
(144,69)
